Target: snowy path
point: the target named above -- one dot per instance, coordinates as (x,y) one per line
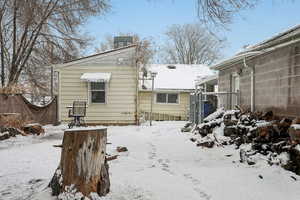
(161,164)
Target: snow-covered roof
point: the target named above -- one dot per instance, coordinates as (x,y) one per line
(96,77)
(279,40)
(176,76)
(207,79)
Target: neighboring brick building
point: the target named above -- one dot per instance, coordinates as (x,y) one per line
(267,74)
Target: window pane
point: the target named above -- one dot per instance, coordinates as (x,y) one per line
(172,98)
(161,98)
(98,96)
(97,86)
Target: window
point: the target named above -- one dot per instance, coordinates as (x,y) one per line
(167,98)
(97,92)
(172,98)
(161,98)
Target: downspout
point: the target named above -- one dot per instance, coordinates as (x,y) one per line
(59,97)
(252,74)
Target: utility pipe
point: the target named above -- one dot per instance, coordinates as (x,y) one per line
(151,106)
(153,74)
(252,74)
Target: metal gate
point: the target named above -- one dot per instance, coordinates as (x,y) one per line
(199,106)
(195,108)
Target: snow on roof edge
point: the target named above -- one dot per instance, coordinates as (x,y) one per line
(61,65)
(96,77)
(250,50)
(207,79)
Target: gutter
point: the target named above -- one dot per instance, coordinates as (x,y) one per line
(263,49)
(231,61)
(167,90)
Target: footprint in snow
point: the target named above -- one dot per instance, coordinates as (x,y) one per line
(164,163)
(152,152)
(197,182)
(192,179)
(202,194)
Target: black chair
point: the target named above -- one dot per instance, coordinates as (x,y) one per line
(77,112)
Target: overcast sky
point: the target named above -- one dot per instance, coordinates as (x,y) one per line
(150,18)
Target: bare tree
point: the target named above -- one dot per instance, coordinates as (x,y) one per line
(41,32)
(220,12)
(107,43)
(145,46)
(191,44)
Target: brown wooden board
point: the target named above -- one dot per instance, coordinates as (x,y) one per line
(29,112)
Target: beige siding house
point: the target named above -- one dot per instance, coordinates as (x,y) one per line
(165,111)
(117,94)
(173,85)
(107,81)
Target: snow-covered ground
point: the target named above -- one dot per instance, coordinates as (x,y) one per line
(162,163)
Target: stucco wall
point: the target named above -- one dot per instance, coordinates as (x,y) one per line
(277,81)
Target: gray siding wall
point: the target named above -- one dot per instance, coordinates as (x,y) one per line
(277,81)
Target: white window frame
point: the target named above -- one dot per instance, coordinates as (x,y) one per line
(234,87)
(90,93)
(167,93)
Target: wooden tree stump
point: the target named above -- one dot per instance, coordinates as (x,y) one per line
(83,163)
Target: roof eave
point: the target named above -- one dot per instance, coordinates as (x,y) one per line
(259,48)
(234,60)
(57,67)
(167,90)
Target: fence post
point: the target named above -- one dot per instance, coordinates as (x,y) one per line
(194,108)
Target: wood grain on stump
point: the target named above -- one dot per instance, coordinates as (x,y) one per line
(83,161)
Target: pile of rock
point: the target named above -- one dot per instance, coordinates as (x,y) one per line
(264,133)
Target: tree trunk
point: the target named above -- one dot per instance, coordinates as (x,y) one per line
(83,163)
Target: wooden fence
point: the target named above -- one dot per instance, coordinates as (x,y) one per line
(160,117)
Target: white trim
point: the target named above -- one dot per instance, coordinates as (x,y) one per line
(92,57)
(234,76)
(207,79)
(96,77)
(227,63)
(167,90)
(233,88)
(167,103)
(232,60)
